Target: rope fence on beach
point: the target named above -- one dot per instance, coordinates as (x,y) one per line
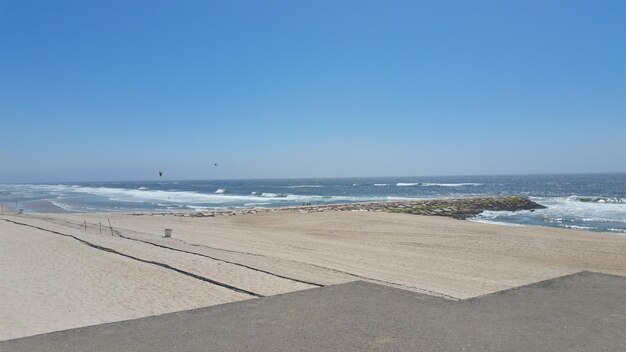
(99,229)
(94,228)
(431,292)
(163,265)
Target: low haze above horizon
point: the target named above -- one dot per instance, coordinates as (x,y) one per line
(119,90)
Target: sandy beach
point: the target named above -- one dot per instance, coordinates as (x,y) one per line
(58,274)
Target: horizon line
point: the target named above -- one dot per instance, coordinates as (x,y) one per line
(327,177)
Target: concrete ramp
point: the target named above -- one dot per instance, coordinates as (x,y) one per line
(580,312)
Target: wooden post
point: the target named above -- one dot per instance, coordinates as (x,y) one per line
(100,227)
(85,225)
(111,227)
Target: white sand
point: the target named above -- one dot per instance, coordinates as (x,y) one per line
(50,282)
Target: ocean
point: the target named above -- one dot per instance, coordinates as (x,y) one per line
(595,202)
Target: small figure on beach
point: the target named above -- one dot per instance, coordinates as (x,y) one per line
(160,173)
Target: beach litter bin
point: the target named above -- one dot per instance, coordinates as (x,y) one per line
(168,232)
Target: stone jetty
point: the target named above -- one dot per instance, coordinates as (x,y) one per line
(458,208)
(463,208)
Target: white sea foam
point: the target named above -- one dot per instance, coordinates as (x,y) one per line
(135,195)
(492,215)
(220,191)
(75,208)
(584,199)
(427,184)
(306,186)
(494,222)
(578,227)
(198,207)
(142,188)
(273,195)
(567,212)
(585,211)
(254,204)
(63,205)
(432,184)
(169,199)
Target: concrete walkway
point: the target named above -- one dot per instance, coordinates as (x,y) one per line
(581,312)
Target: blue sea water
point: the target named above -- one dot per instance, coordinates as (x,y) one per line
(592,202)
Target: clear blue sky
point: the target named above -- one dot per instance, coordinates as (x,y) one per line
(116,90)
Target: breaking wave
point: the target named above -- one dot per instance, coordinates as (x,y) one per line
(273,195)
(574,212)
(137,195)
(79,198)
(593,202)
(432,184)
(452,184)
(610,200)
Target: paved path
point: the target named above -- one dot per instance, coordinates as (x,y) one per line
(581,312)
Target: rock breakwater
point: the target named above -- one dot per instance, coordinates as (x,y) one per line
(464,208)
(458,208)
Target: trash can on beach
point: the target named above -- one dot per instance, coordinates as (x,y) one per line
(168,232)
